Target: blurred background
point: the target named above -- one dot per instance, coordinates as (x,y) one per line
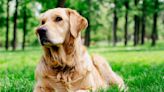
(112,22)
(129,33)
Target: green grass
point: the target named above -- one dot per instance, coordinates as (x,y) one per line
(141,67)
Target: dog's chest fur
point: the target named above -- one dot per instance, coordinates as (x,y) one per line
(63,72)
(64,77)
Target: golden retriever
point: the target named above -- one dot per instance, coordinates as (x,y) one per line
(66,65)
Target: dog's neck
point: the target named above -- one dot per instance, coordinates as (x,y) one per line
(67,55)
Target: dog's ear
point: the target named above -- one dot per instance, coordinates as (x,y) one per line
(77,22)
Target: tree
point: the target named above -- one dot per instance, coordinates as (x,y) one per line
(87,35)
(115,21)
(143,22)
(87,32)
(136,26)
(24,25)
(14,42)
(155,16)
(61,3)
(126,22)
(7,26)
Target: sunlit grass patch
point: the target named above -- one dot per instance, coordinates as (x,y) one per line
(142,68)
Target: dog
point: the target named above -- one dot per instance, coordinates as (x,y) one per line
(66,65)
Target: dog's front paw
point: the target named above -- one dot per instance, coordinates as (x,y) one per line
(82,91)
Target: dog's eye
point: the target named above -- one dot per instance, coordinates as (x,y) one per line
(43,22)
(58,19)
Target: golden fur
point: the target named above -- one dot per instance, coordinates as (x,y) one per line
(66,65)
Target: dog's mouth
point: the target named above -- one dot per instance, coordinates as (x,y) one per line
(44,41)
(47,43)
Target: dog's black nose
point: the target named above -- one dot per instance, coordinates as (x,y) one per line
(42,32)
(42,35)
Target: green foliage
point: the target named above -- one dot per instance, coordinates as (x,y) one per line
(47,4)
(2,11)
(98,12)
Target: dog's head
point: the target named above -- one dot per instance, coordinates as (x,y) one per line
(57,23)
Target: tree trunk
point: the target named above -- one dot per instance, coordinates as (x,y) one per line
(24,27)
(15,26)
(7,27)
(154,31)
(126,23)
(143,22)
(136,26)
(115,20)
(135,30)
(60,3)
(87,35)
(87,32)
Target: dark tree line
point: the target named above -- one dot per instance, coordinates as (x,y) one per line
(139,21)
(14,42)
(136,26)
(60,3)
(115,21)
(143,21)
(87,32)
(155,16)
(126,22)
(24,26)
(7,27)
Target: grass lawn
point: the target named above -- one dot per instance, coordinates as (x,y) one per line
(141,67)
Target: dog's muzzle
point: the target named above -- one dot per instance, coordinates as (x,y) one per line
(42,35)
